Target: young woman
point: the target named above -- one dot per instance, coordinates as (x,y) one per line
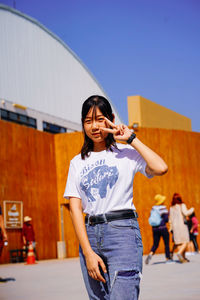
(100,184)
(177,213)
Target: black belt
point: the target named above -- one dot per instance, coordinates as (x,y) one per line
(111,216)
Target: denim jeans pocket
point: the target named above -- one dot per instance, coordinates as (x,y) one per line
(122,224)
(128,224)
(138,237)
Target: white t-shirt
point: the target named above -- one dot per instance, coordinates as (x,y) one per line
(104,180)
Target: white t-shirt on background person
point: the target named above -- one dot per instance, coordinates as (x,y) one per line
(104,180)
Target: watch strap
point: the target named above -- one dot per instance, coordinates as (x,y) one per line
(131,138)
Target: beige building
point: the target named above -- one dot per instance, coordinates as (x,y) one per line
(145,113)
(43,83)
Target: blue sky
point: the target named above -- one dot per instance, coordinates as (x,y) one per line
(132,47)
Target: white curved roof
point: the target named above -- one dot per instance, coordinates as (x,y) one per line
(39,71)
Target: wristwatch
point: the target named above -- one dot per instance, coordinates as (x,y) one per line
(131,138)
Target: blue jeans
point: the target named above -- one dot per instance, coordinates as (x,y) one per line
(119,244)
(157,233)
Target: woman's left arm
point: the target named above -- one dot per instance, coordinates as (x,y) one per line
(155,164)
(186,212)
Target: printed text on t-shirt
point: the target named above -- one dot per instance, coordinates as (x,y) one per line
(97,181)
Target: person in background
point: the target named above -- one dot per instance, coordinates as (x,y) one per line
(3,237)
(190,246)
(3,234)
(177,219)
(28,234)
(161,229)
(194,231)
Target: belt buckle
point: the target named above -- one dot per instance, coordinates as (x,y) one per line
(90,221)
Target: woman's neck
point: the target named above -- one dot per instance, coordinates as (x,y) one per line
(99,146)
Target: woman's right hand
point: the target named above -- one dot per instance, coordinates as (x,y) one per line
(93,262)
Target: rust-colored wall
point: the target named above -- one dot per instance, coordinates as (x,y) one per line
(180,149)
(34,167)
(66,147)
(28,174)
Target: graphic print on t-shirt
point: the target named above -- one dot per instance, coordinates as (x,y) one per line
(97,180)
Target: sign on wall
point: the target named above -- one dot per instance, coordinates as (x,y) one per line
(13,214)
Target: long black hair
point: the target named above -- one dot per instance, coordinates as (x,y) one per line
(104,106)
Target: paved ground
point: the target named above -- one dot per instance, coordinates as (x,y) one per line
(61,280)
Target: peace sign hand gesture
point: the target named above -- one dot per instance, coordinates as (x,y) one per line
(120,132)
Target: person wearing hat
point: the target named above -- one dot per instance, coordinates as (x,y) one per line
(159,229)
(28,234)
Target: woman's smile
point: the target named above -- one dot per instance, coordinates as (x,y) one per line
(96,133)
